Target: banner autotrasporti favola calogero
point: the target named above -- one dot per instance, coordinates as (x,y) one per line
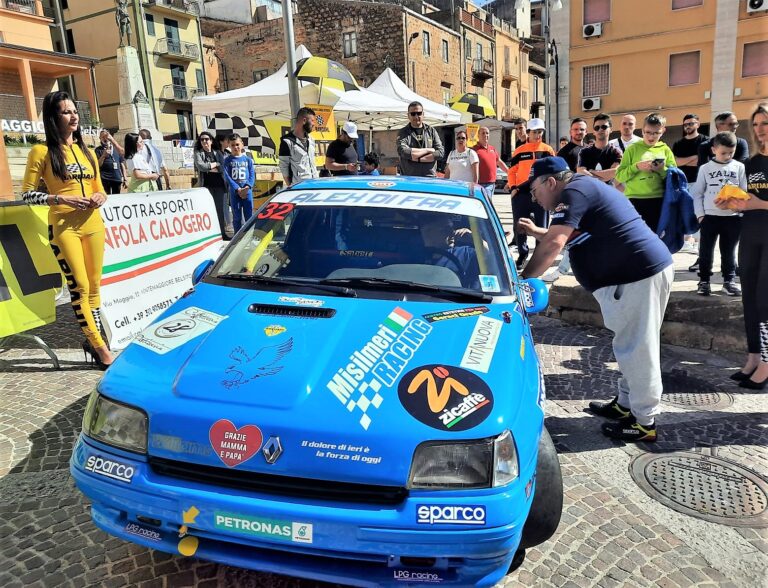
(152,244)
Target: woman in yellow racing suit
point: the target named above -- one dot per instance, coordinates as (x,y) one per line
(76,231)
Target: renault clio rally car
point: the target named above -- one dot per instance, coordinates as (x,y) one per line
(350,393)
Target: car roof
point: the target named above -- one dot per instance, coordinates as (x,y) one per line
(394,184)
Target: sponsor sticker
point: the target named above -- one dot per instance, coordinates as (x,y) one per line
(381,184)
(482,344)
(301,301)
(489,283)
(378,363)
(177,329)
(110,468)
(445,315)
(522,347)
(416,576)
(234,446)
(290,531)
(178,445)
(446,398)
(143,532)
(272,330)
(441,514)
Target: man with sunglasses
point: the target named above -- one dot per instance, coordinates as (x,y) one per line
(686,150)
(601,159)
(418,145)
(725,121)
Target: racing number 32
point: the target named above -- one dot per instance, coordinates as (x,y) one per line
(276,211)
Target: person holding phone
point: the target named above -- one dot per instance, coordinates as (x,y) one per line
(643,170)
(111,163)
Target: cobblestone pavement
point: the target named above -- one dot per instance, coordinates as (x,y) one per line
(612,533)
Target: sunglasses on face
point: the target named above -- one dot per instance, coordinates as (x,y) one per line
(204,139)
(461,138)
(419,113)
(601,127)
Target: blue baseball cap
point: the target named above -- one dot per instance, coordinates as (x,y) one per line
(544,167)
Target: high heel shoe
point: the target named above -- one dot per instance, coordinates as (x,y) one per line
(752,385)
(741,376)
(95,359)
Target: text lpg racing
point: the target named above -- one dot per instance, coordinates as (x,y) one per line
(350,393)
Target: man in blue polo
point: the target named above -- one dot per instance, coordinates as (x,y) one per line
(627,268)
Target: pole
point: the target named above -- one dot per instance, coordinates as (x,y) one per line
(557,91)
(290,53)
(547,84)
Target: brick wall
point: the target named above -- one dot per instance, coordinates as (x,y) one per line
(320,24)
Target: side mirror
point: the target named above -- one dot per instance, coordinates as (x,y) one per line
(535,295)
(200,271)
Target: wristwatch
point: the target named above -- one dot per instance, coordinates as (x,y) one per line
(55,198)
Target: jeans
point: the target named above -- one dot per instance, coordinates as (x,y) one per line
(524,207)
(242,209)
(728,229)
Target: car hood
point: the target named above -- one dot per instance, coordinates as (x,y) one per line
(346,388)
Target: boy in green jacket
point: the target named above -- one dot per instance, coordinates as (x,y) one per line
(643,170)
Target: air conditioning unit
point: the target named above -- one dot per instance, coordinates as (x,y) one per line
(756,6)
(592,30)
(590,104)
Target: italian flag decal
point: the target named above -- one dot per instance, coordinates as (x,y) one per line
(397,319)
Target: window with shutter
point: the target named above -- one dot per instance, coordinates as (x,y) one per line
(755,59)
(597,11)
(684,68)
(596,80)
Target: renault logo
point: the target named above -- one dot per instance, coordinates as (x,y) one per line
(272,449)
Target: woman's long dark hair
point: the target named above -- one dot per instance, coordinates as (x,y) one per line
(53,137)
(215,144)
(131,145)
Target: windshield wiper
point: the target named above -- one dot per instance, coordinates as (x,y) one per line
(317,285)
(387,284)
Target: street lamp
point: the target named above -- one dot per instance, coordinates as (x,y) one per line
(553,60)
(550,43)
(408,75)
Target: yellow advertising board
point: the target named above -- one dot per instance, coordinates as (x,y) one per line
(472,134)
(29,272)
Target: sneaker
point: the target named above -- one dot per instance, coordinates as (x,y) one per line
(731,288)
(610,410)
(704,289)
(694,267)
(630,430)
(551,275)
(520,262)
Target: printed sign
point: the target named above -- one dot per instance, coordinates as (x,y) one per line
(404,200)
(264,528)
(473,132)
(446,398)
(152,244)
(29,272)
(272,330)
(482,344)
(177,329)
(301,301)
(110,468)
(419,576)
(379,362)
(440,514)
(234,446)
(178,445)
(444,315)
(325,125)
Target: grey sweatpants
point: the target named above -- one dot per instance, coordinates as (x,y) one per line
(634,312)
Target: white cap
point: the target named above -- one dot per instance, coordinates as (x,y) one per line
(350,129)
(535,124)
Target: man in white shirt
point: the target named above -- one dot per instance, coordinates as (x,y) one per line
(628,123)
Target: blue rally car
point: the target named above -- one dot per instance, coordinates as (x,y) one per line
(350,393)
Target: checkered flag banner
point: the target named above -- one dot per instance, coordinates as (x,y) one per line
(252,130)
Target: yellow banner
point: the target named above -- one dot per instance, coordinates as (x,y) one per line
(325,127)
(472,134)
(29,272)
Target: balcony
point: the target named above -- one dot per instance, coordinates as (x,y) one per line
(180,94)
(189,8)
(482,68)
(177,49)
(511,113)
(509,75)
(34,7)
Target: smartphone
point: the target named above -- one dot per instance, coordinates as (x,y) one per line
(659,161)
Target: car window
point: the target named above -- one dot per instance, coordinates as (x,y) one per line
(425,239)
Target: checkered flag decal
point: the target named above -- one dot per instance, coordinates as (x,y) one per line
(252,130)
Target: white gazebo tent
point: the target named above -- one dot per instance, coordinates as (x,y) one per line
(391,86)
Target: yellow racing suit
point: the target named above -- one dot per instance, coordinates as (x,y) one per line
(76,236)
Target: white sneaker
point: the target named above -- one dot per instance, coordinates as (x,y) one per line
(551,275)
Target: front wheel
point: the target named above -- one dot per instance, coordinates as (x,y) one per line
(547,504)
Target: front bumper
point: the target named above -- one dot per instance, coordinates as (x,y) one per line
(356,544)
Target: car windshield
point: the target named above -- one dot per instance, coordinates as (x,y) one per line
(370,240)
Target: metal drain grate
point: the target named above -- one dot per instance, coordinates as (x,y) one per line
(685,391)
(709,488)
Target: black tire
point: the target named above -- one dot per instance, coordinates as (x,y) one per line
(517,561)
(547,504)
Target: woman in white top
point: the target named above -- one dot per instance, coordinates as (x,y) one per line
(142,174)
(463,163)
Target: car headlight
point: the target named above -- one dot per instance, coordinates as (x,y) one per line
(115,424)
(482,463)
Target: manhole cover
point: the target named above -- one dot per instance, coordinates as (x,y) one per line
(688,392)
(710,488)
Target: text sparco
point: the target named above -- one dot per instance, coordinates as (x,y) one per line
(110,469)
(433,514)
